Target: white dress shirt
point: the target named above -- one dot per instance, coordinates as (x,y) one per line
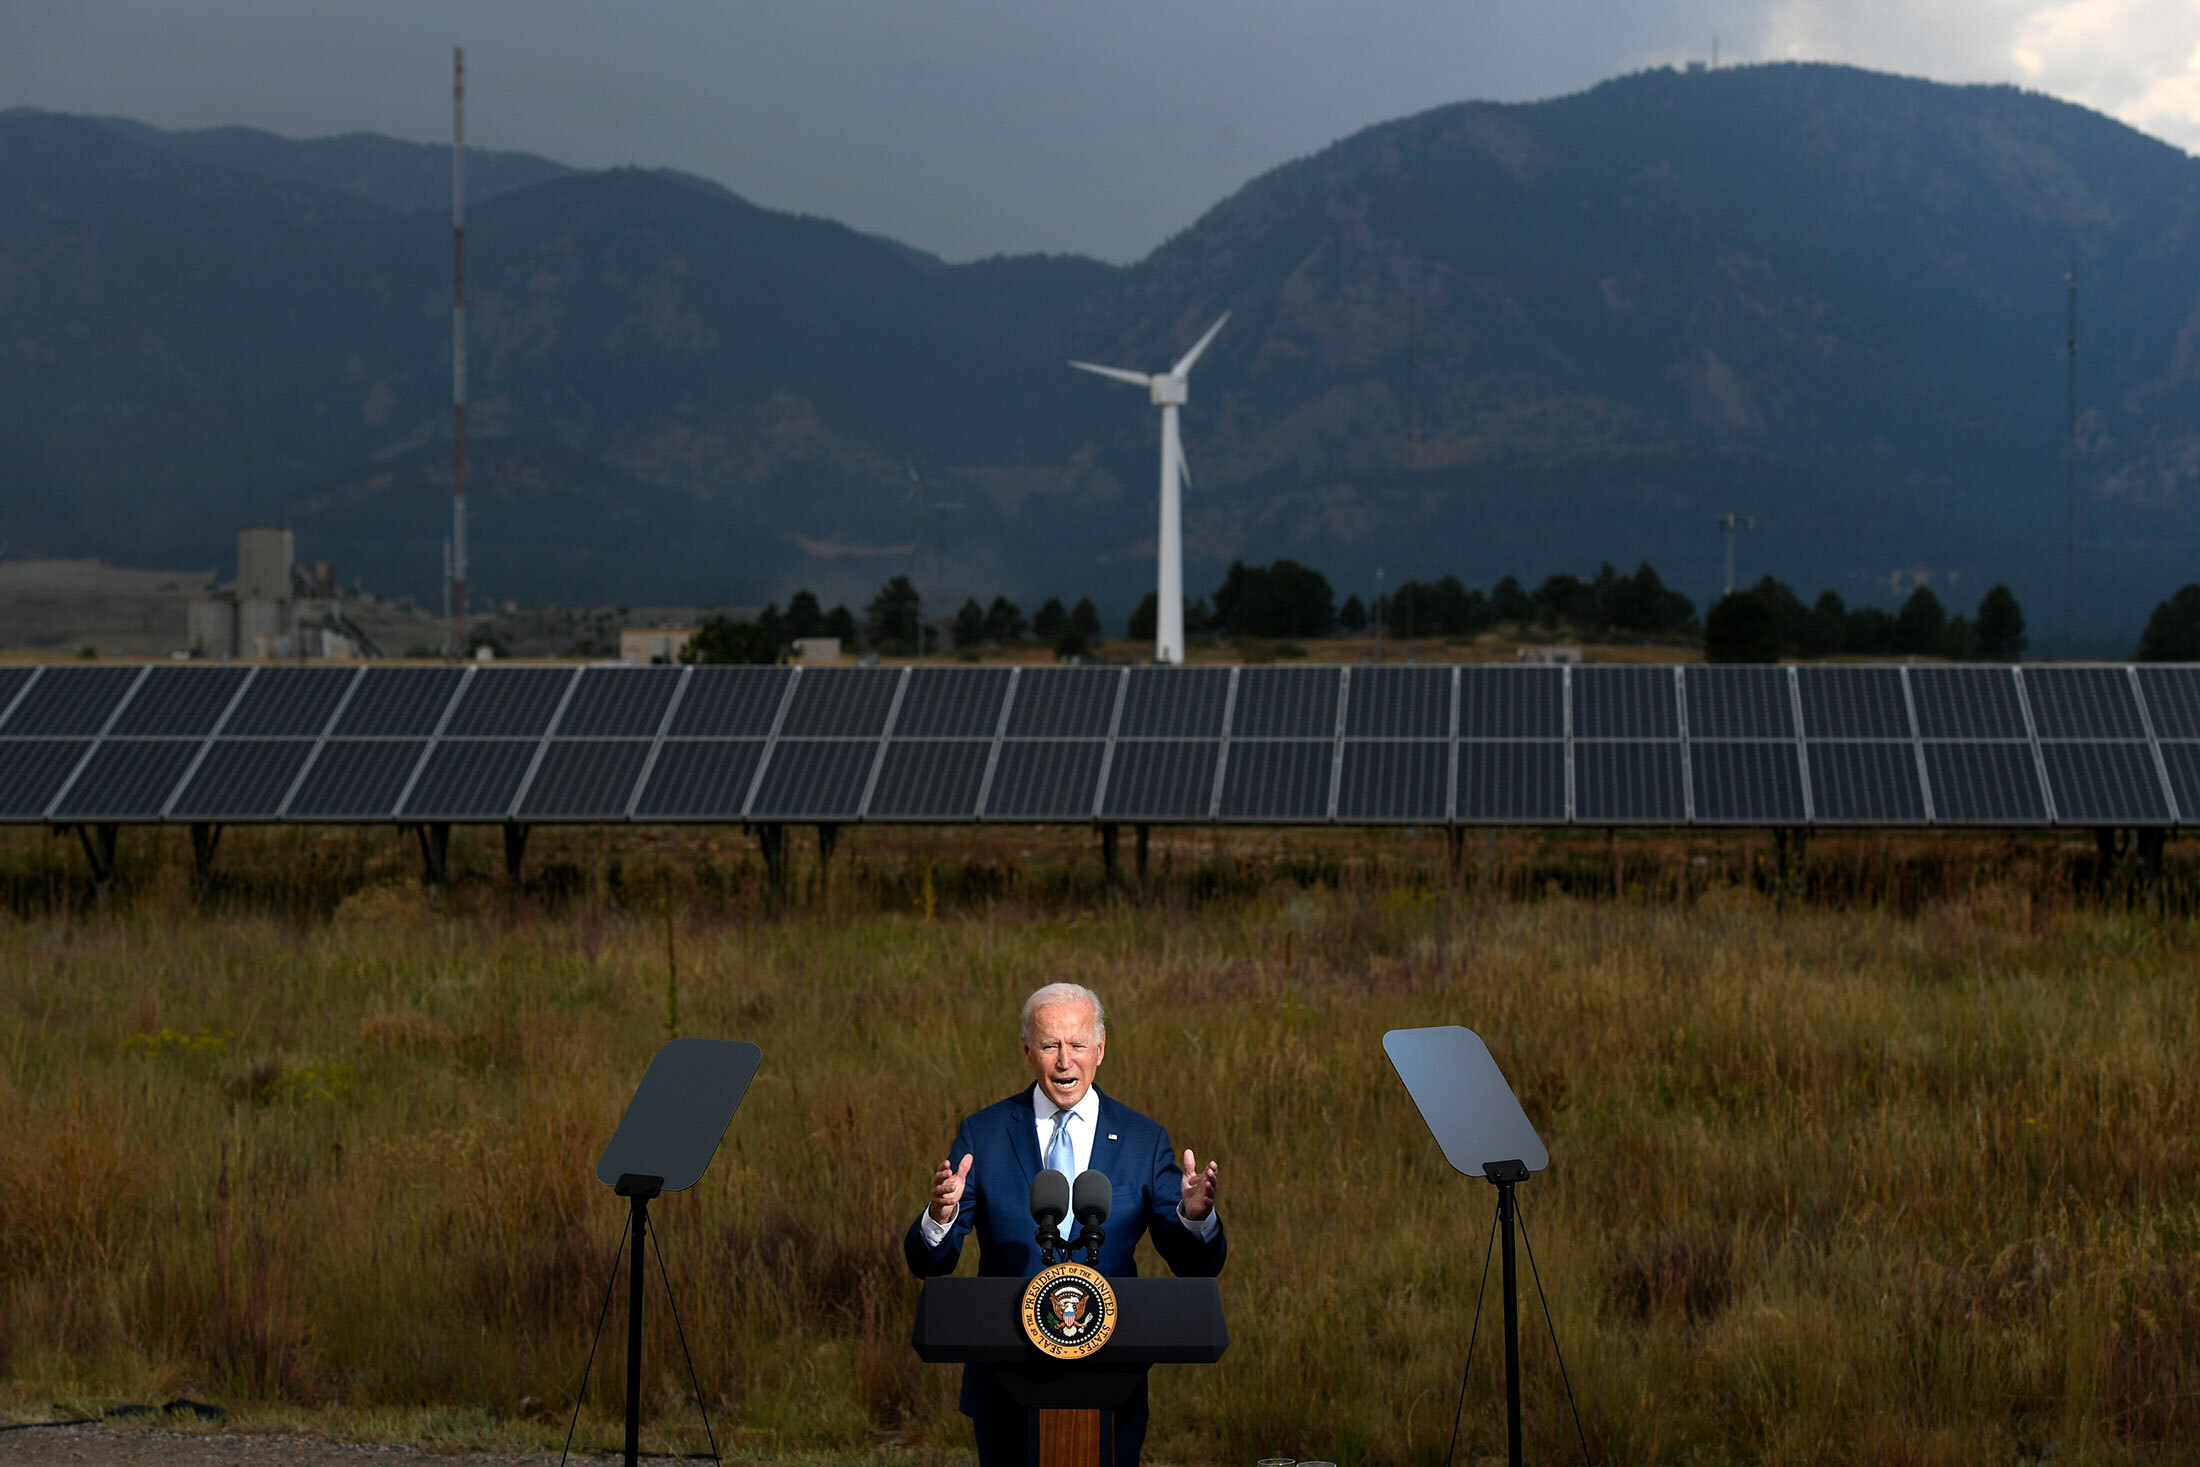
(1083,1123)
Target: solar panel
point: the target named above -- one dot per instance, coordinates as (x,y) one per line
(241,779)
(1512,703)
(31,772)
(355,779)
(2182,760)
(2082,703)
(1044,779)
(1064,703)
(289,702)
(1746,783)
(127,779)
(1174,702)
(12,682)
(700,779)
(1508,782)
(1282,780)
(1853,703)
(730,702)
(399,702)
(844,703)
(469,779)
(951,703)
(585,779)
(1628,783)
(1967,703)
(1625,703)
(1984,784)
(2104,784)
(1394,782)
(815,779)
(1162,779)
(1864,783)
(1738,703)
(1399,703)
(2173,701)
(70,701)
(930,779)
(619,702)
(509,702)
(180,701)
(1286,703)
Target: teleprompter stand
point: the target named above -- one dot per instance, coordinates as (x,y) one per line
(665,1143)
(1483,1131)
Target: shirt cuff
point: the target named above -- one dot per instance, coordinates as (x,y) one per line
(1202,1230)
(934,1231)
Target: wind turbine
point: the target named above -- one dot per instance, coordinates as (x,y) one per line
(1170,389)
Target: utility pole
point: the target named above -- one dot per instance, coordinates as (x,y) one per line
(1729,525)
(458,351)
(2070,470)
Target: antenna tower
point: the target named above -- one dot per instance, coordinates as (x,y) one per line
(458,351)
(2070,470)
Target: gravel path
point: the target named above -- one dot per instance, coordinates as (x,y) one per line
(96,1444)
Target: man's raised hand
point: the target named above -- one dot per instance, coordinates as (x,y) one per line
(1200,1187)
(947,1189)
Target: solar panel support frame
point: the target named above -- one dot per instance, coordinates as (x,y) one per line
(1566,729)
(1802,748)
(878,754)
(771,741)
(1451,751)
(1107,755)
(320,742)
(1917,747)
(1000,736)
(206,745)
(435,736)
(542,748)
(22,693)
(1222,751)
(2154,746)
(657,741)
(91,747)
(2032,741)
(1688,771)
(1336,754)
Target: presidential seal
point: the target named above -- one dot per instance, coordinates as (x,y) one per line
(1069,1311)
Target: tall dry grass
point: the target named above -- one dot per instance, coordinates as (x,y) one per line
(1895,1168)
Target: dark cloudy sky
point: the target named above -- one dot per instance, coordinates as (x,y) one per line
(975,126)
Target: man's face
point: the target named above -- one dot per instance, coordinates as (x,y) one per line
(1063,1051)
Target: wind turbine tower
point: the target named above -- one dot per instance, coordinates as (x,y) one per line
(1170,391)
(1729,526)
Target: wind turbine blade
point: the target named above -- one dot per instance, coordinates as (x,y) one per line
(1185,364)
(1136,379)
(1183,463)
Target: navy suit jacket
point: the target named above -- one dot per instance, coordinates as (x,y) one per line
(1130,1150)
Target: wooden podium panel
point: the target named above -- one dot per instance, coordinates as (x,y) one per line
(1072,1438)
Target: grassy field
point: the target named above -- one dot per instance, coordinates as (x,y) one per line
(1900,1169)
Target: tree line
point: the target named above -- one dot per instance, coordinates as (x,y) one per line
(1768,621)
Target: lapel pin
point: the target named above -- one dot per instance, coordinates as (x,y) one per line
(1111,1136)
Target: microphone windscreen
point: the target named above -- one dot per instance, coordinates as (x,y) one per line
(1049,1196)
(1094,1197)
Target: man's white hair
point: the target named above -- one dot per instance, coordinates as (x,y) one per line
(1055,993)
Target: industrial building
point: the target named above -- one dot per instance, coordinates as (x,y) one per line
(276,608)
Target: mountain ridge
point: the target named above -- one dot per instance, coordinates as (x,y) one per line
(1484,339)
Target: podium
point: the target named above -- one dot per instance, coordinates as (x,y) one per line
(1069,1405)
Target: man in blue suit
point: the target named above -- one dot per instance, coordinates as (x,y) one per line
(1062,1122)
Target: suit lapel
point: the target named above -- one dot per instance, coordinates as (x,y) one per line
(1107,1143)
(1023,1136)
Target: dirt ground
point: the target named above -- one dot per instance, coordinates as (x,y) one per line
(97,1444)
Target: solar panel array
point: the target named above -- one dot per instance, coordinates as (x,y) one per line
(1876,745)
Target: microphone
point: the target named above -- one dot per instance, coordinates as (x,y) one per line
(1093,1197)
(1049,1200)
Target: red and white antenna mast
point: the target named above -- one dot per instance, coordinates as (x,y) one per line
(458,351)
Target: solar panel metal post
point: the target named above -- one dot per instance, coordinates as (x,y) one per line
(771,841)
(665,1143)
(435,853)
(1145,843)
(828,838)
(99,851)
(1110,838)
(204,838)
(1478,1122)
(515,849)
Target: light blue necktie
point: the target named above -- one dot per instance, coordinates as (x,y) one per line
(1062,1157)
